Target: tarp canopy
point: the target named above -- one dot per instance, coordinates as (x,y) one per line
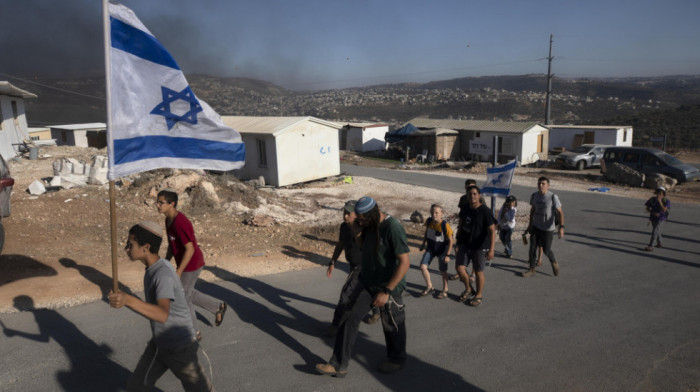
(400,134)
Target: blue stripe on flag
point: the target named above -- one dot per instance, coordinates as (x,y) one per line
(150,147)
(501,169)
(140,44)
(495,191)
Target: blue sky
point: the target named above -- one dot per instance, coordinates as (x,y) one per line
(309,44)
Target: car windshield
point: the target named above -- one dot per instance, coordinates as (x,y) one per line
(582,149)
(669,159)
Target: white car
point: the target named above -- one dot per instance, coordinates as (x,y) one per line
(583,156)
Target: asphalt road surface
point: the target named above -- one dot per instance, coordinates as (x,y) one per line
(617,319)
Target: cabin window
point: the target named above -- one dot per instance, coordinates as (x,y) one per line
(262,153)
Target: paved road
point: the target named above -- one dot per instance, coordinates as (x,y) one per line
(617,318)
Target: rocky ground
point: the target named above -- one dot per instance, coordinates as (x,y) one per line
(57,247)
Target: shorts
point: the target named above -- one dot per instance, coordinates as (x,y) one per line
(428,258)
(475,256)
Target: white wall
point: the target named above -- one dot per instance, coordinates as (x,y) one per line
(564,137)
(252,167)
(307,152)
(529,145)
(9,133)
(373,139)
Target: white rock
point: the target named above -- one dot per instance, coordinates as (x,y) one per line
(37,188)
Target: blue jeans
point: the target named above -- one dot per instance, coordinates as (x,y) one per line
(505,235)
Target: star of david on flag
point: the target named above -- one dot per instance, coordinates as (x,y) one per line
(154,118)
(499,179)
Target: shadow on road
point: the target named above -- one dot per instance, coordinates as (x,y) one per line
(101,280)
(266,319)
(17,267)
(91,369)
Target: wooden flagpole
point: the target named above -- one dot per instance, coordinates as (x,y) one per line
(112,193)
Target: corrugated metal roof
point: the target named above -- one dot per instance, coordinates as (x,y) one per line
(475,125)
(81,127)
(6,88)
(435,131)
(269,125)
(550,126)
(365,124)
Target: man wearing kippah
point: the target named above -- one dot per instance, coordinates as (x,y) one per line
(173,345)
(383,279)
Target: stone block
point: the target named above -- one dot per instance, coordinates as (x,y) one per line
(37,188)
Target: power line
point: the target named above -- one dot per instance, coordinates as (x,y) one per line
(52,87)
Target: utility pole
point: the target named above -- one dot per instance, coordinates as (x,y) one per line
(548,109)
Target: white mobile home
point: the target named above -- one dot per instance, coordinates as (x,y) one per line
(80,135)
(13,121)
(363,137)
(287,150)
(568,137)
(525,141)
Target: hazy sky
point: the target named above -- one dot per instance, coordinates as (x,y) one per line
(309,44)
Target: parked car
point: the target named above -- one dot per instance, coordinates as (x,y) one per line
(6,183)
(649,161)
(583,156)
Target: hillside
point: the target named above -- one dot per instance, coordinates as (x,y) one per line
(653,104)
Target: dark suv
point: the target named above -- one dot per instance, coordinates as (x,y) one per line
(649,161)
(6,183)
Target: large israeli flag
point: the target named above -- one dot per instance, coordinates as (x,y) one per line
(155,120)
(499,179)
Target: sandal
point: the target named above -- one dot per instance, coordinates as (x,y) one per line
(475,302)
(465,295)
(442,295)
(454,277)
(220,314)
(426,291)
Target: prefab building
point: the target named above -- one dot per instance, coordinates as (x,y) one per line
(568,137)
(13,121)
(527,142)
(80,135)
(363,137)
(436,144)
(287,150)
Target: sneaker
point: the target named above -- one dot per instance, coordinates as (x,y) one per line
(331,330)
(389,367)
(373,318)
(528,273)
(555,268)
(329,370)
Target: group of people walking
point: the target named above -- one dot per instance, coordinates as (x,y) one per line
(375,246)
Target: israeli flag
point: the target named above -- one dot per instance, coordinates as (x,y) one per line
(155,120)
(499,179)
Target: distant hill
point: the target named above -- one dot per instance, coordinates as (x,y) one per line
(650,103)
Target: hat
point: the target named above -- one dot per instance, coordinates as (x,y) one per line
(510,198)
(153,227)
(661,189)
(364,205)
(350,206)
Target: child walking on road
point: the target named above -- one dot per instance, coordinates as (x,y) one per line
(506,224)
(438,236)
(657,207)
(182,245)
(349,241)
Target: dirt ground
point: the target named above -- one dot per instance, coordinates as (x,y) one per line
(57,246)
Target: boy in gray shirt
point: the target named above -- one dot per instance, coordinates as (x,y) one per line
(173,345)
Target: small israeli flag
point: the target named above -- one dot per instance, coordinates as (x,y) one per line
(155,120)
(499,179)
